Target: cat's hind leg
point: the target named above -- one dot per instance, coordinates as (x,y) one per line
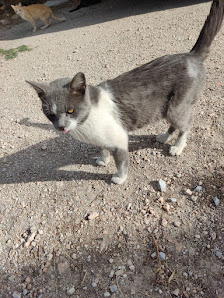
(46,21)
(167,136)
(183,122)
(121,161)
(104,158)
(32,21)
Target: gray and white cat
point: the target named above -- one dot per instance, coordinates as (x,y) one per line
(103,115)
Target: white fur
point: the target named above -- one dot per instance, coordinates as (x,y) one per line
(54,109)
(192,69)
(102,127)
(179,145)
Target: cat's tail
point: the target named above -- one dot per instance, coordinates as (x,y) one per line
(210,29)
(57,18)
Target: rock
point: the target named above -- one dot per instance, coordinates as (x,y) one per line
(11,278)
(185,274)
(198,188)
(164,222)
(147,220)
(166,207)
(162,256)
(94,284)
(216,201)
(111,260)
(113,288)
(63,267)
(111,274)
(153,255)
(25,291)
(16,295)
(213,235)
(132,267)
(173,200)
(106,294)
(29,287)
(93,215)
(176,292)
(71,291)
(44,147)
(188,192)
(129,262)
(193,198)
(4,22)
(162,185)
(218,254)
(177,223)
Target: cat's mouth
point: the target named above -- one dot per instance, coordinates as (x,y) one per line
(65,131)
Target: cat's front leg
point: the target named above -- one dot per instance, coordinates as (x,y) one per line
(121,161)
(104,157)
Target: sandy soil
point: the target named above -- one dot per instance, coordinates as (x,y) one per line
(64,228)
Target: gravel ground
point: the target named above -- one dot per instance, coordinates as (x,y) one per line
(64,229)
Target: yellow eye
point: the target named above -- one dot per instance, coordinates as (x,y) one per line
(70,111)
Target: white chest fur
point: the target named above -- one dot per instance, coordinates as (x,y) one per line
(103,127)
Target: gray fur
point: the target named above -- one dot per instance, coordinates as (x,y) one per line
(166,87)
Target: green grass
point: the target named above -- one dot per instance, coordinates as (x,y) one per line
(12,53)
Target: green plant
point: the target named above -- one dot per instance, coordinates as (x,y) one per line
(12,53)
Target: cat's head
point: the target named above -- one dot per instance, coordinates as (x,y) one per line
(17,8)
(65,106)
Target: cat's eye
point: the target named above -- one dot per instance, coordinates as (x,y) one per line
(70,111)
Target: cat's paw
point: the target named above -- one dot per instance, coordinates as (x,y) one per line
(175,150)
(102,162)
(118,180)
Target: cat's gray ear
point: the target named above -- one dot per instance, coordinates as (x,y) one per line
(78,84)
(40,88)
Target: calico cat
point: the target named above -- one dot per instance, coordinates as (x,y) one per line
(34,12)
(102,115)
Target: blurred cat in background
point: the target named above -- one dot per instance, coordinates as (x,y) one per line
(34,12)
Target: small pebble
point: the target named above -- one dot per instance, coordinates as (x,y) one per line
(25,291)
(94,284)
(185,274)
(218,254)
(11,278)
(153,255)
(198,188)
(173,200)
(111,260)
(111,273)
(162,256)
(132,267)
(113,288)
(188,192)
(93,215)
(106,294)
(193,198)
(177,223)
(44,147)
(162,185)
(176,292)
(71,291)
(16,295)
(216,201)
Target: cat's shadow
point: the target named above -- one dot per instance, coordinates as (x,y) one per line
(62,158)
